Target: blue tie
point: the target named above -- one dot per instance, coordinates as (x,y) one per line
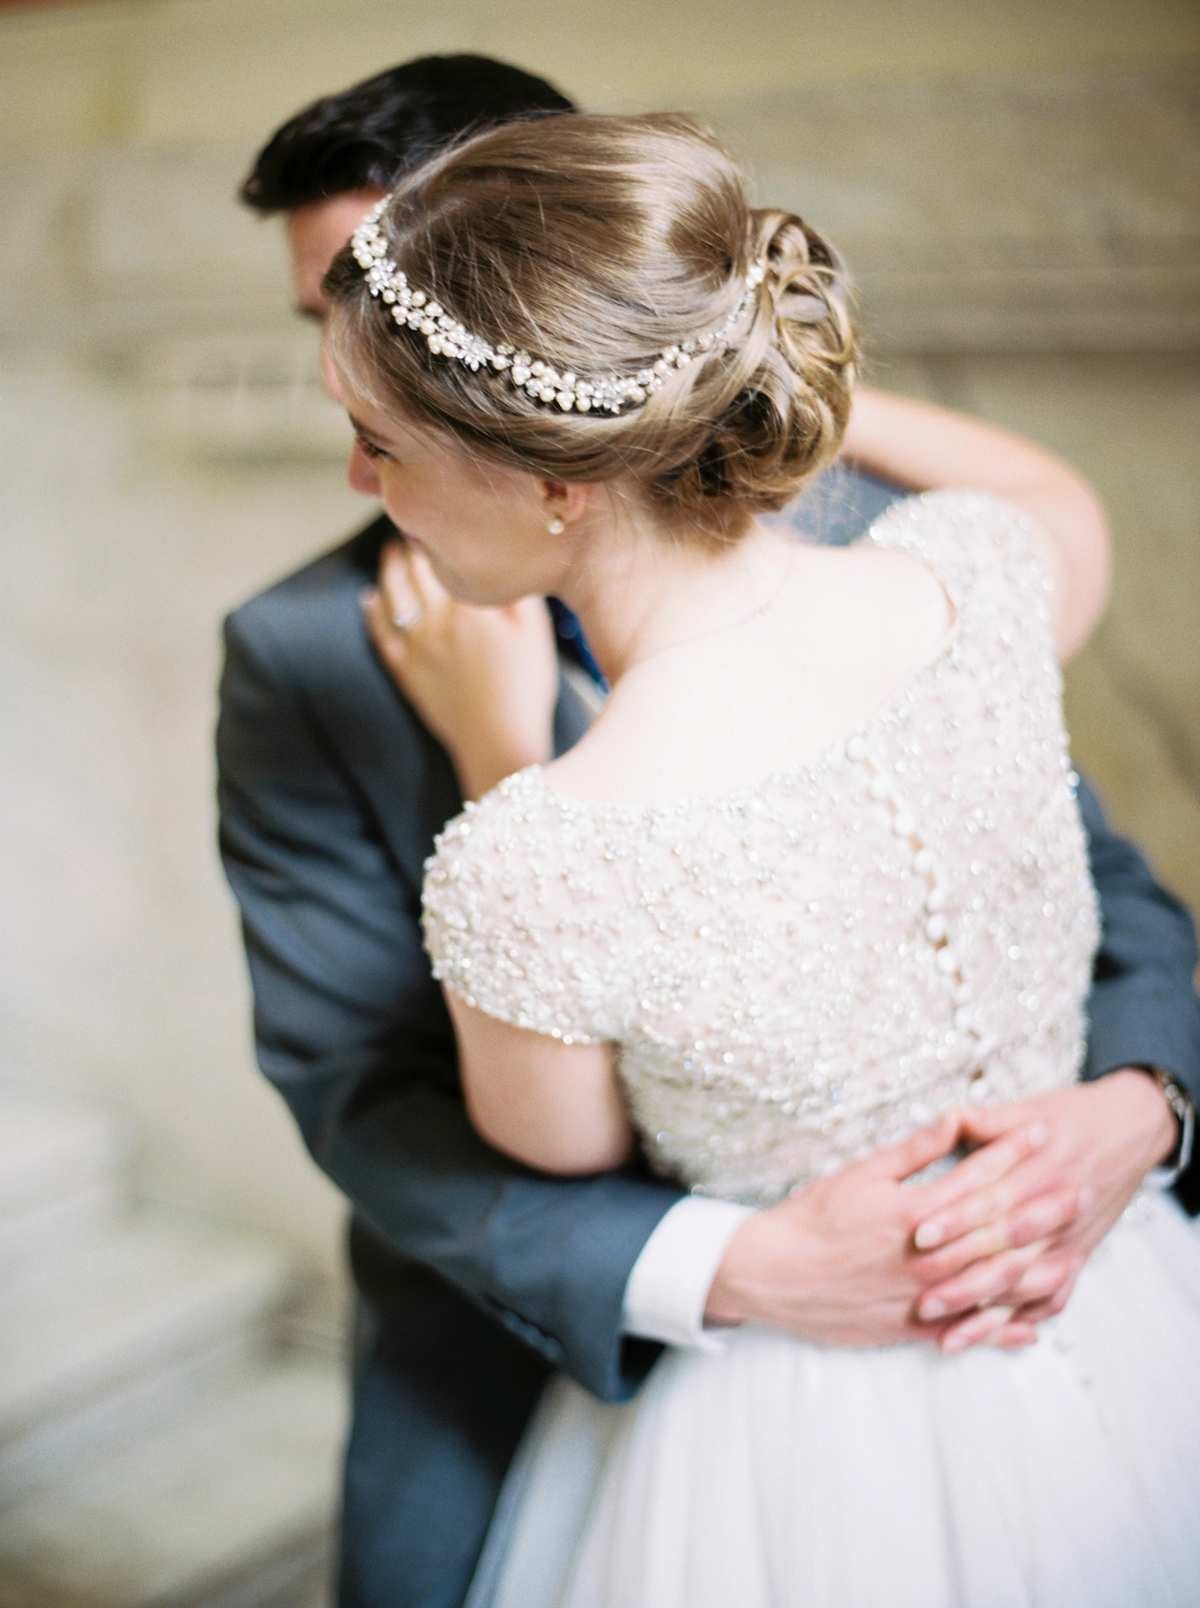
(573,642)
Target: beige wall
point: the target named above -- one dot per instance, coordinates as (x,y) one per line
(121,974)
(164,452)
(153,71)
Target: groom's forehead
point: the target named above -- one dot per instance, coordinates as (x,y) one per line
(315,234)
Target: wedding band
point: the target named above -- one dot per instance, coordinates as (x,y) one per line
(406,621)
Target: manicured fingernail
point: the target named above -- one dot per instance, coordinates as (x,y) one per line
(1087,1198)
(929,1235)
(932,1310)
(1038,1135)
(953,1343)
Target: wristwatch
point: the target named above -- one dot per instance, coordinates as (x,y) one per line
(1184,1107)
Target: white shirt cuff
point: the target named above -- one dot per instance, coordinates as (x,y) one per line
(668,1287)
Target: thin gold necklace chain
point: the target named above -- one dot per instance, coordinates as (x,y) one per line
(755,613)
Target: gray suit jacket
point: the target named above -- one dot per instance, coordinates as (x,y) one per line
(479,1274)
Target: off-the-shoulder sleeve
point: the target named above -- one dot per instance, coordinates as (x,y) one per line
(982,550)
(514,919)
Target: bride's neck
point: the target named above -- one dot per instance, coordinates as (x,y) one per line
(639,591)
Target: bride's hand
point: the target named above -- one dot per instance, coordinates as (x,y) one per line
(484,681)
(1101,1140)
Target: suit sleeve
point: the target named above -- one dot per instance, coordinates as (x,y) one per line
(839,505)
(351,1029)
(1142,1009)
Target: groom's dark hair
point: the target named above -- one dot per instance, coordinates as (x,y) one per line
(364,137)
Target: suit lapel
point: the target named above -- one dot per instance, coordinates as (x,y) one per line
(400,769)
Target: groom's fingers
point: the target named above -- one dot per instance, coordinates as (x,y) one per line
(984,1283)
(981,1328)
(1037,1285)
(1037,1311)
(979,1190)
(984,1123)
(1053,1274)
(1044,1288)
(1014,1334)
(1037,1219)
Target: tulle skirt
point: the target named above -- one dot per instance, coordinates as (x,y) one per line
(782,1474)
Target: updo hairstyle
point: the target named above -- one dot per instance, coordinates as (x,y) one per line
(594,243)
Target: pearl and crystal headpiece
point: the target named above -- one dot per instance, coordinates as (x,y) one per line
(414,310)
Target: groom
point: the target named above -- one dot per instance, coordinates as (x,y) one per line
(477,1277)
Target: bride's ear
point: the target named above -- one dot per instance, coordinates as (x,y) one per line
(564,501)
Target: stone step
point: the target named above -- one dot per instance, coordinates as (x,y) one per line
(110,1329)
(33,1460)
(62,1164)
(229,1505)
(55,1228)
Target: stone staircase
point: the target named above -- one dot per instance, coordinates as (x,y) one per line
(161,1445)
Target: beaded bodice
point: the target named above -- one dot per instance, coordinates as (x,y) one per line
(810,967)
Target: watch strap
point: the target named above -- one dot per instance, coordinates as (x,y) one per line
(1184,1107)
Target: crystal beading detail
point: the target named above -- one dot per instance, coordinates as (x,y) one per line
(812,966)
(540,381)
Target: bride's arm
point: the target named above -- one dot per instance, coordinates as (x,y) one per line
(553,1106)
(924,448)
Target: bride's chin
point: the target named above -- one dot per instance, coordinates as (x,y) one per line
(479,593)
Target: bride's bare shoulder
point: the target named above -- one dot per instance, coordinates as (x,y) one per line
(847,628)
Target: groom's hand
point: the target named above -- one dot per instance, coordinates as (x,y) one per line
(838,1261)
(1102,1139)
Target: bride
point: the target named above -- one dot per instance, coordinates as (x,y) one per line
(813,881)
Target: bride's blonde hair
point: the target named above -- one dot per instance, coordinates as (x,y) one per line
(595,243)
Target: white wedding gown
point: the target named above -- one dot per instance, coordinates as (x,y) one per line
(795,973)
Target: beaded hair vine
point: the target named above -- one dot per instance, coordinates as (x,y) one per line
(445,337)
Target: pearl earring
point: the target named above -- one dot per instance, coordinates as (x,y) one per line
(556,526)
